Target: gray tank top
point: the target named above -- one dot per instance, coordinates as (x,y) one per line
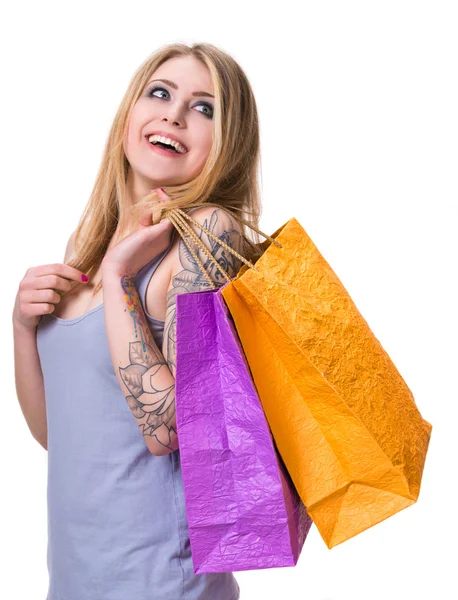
(117,526)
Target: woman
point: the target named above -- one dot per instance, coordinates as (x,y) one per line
(95,361)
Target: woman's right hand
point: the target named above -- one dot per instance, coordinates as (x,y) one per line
(37,293)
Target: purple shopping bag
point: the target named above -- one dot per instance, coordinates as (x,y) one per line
(242,508)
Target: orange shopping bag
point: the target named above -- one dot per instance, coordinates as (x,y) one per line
(344,421)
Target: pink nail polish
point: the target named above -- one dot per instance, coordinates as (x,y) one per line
(162,190)
(84,278)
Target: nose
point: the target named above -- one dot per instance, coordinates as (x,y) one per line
(172,115)
(174,122)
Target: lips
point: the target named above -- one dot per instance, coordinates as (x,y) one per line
(167,135)
(162,152)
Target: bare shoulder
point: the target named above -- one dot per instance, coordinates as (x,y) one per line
(217,219)
(70,246)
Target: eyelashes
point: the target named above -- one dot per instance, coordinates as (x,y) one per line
(155,88)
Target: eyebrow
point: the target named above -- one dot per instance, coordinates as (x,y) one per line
(175,87)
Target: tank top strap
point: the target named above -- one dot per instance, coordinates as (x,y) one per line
(147,271)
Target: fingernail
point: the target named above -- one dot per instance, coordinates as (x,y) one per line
(84,278)
(162,190)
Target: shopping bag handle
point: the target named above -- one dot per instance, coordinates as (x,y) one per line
(181,221)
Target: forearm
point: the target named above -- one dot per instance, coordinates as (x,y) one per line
(142,372)
(29,382)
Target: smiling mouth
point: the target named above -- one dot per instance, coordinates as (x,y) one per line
(165,146)
(165,150)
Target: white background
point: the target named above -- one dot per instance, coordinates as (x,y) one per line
(358,105)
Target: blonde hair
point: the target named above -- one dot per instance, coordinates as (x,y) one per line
(228,178)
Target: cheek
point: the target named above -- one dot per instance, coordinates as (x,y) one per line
(204,148)
(208,140)
(129,141)
(133,134)
(198,160)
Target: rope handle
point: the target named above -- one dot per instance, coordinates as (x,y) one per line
(178,218)
(268,237)
(158,216)
(182,229)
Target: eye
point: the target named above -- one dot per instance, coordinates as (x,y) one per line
(154,89)
(206,105)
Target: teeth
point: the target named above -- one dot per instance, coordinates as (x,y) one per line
(158,138)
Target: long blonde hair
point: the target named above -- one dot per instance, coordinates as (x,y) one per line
(228,178)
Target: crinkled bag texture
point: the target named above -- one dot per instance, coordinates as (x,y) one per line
(242,509)
(343,419)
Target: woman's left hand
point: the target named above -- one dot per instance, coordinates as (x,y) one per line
(140,247)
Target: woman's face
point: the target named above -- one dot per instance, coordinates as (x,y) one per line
(180,108)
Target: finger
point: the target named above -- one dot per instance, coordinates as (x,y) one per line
(162,194)
(51,282)
(145,219)
(49,295)
(59,269)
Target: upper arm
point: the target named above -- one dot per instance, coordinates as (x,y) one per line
(186,275)
(70,247)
